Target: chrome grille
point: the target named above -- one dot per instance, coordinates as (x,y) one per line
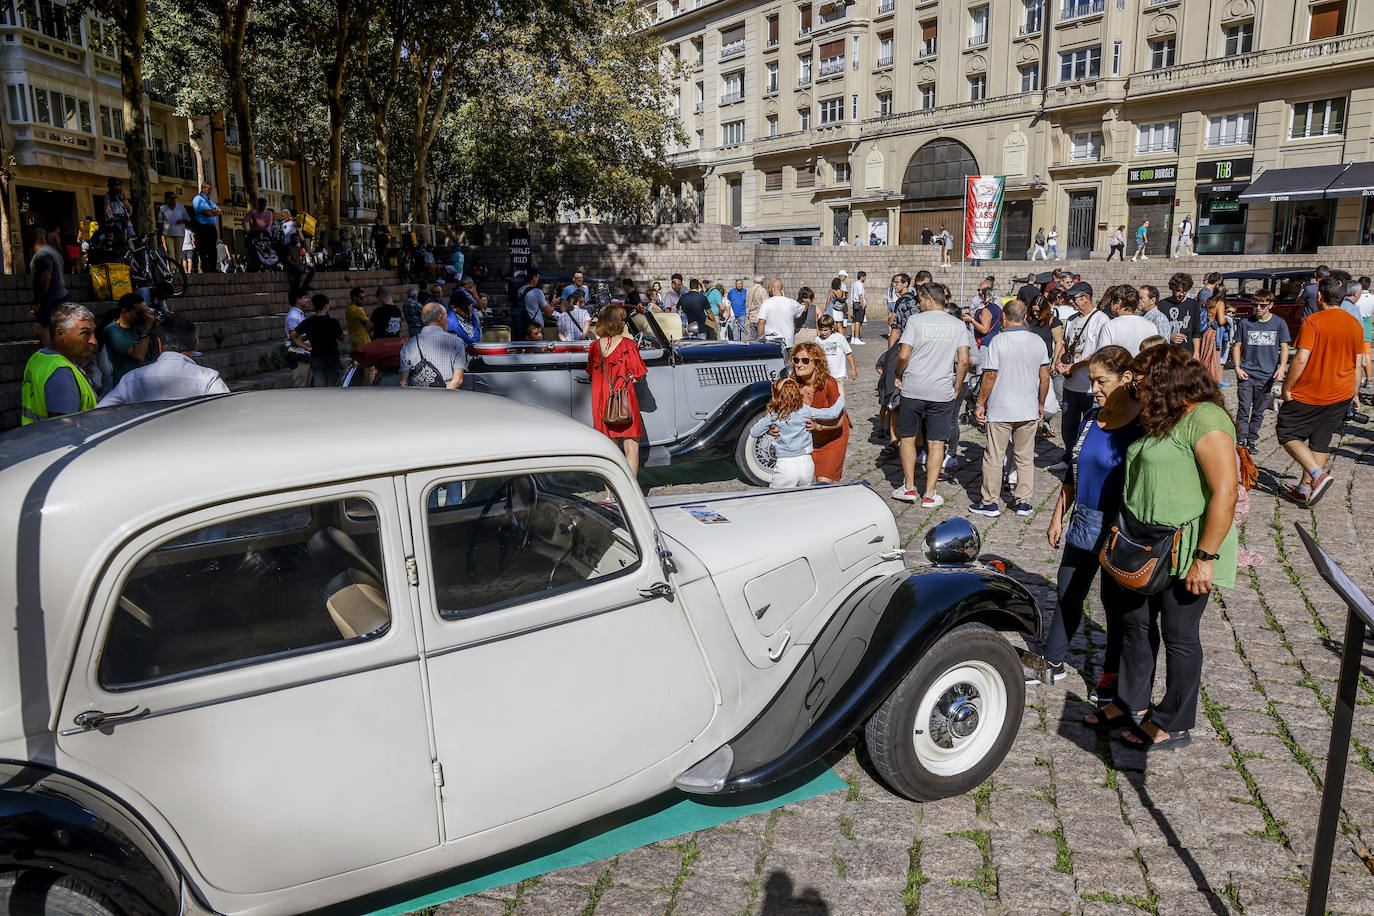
(708,376)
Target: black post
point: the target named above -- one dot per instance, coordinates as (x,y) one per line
(1334,783)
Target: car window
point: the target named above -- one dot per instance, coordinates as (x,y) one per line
(640,323)
(246,591)
(496,541)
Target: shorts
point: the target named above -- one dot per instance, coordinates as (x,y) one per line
(1314,424)
(793,471)
(936,416)
(860,313)
(1366,348)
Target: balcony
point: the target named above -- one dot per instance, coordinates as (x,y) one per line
(288,202)
(837,14)
(927,49)
(832,65)
(170,165)
(804,80)
(1081,10)
(886,6)
(977,41)
(884,60)
(732,97)
(1154,3)
(1030,28)
(804,32)
(238,197)
(1349,51)
(930,117)
(731,49)
(772,43)
(700,107)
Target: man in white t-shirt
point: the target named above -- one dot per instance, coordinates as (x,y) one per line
(837,351)
(1016,379)
(296,355)
(1081,334)
(932,360)
(778,315)
(1129,327)
(858,310)
(173,219)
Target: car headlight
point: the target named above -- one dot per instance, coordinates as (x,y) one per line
(953,542)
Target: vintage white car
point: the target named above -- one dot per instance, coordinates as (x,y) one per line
(253,661)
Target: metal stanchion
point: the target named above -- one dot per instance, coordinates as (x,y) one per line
(1359,617)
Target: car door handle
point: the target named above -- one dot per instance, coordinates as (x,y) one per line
(658,590)
(776,654)
(582,379)
(94,718)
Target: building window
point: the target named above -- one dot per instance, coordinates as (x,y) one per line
(701,139)
(804,70)
(1087,147)
(806,175)
(855,53)
(832,57)
(772,181)
(1030,77)
(57,109)
(732,87)
(19,103)
(1116,58)
(732,133)
(832,110)
(1240,39)
(927,96)
(53,21)
(929,30)
(1076,9)
(1157,138)
(854,107)
(1082,64)
(772,31)
(1031,14)
(771,121)
(884,104)
(978,27)
(772,76)
(732,41)
(805,21)
(804,118)
(841,173)
(1231,130)
(1327,20)
(977,87)
(1322,118)
(699,50)
(701,96)
(1162,53)
(885,49)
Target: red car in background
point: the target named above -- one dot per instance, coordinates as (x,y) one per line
(1285,283)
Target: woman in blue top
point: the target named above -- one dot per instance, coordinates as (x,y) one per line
(788,418)
(462,320)
(1093,488)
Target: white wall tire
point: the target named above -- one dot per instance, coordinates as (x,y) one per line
(951,721)
(756,457)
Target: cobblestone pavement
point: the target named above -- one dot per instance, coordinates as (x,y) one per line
(1070,823)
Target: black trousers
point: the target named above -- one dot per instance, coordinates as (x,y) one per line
(207,237)
(1076,406)
(1119,251)
(1179,614)
(1077,570)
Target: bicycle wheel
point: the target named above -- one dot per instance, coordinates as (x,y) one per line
(166,269)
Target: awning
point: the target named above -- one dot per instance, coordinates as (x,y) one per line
(1307,183)
(1151,193)
(1222,187)
(1356,181)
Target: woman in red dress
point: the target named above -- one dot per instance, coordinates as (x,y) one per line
(613,359)
(819,389)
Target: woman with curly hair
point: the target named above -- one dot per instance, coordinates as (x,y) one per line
(1181,474)
(790,420)
(820,390)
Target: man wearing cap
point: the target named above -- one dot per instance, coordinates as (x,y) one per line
(1082,334)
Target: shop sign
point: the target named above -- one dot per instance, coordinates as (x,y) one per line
(1224,169)
(1147,174)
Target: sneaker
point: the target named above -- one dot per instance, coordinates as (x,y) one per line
(1293,494)
(991,510)
(905,495)
(932,502)
(1319,488)
(1049,675)
(1105,691)
(1144,257)
(1058,466)
(857,341)
(1024,509)
(921,458)
(949,462)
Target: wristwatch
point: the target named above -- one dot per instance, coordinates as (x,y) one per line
(1200,554)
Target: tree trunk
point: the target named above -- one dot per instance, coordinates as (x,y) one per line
(379,100)
(233,24)
(132,24)
(426,128)
(333,171)
(195,152)
(6,252)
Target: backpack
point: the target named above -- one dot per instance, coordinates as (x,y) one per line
(424,374)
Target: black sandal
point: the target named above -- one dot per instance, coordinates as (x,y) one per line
(1145,742)
(1106,723)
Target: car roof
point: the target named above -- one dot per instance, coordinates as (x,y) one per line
(73,489)
(1275,274)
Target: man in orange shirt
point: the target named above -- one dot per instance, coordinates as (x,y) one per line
(1320,384)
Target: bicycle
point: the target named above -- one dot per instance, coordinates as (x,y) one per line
(149,265)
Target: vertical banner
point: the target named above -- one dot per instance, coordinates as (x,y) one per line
(983,216)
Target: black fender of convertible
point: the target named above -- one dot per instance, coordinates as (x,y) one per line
(855,663)
(719,434)
(54,822)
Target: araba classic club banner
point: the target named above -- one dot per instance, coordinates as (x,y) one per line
(983,216)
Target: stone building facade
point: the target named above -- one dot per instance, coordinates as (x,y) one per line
(813,121)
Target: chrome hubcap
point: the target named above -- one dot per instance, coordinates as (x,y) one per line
(955,716)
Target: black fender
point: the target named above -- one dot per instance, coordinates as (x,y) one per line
(855,663)
(720,434)
(57,823)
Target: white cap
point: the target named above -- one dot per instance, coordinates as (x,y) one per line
(843,272)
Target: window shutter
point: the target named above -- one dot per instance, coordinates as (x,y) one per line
(806,17)
(773,28)
(832,49)
(1328,21)
(772,181)
(928,30)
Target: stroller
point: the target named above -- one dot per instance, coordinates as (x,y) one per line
(262,254)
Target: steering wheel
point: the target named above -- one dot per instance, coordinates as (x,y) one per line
(508,535)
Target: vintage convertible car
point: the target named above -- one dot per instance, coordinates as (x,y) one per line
(304,673)
(698,402)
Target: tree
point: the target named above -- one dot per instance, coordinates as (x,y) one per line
(232,17)
(382,45)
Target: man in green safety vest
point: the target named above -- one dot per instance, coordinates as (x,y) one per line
(53,385)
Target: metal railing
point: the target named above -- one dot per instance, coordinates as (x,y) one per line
(978,40)
(886,6)
(885,60)
(928,49)
(1031,27)
(732,97)
(832,65)
(733,48)
(1081,9)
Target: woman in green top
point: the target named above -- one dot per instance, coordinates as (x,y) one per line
(1181,473)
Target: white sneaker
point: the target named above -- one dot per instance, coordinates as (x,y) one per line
(1144,257)
(857,341)
(905,495)
(949,462)
(932,502)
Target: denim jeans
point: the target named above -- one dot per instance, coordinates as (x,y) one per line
(739,328)
(1252,396)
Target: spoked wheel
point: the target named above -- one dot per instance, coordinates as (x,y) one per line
(166,269)
(756,458)
(953,718)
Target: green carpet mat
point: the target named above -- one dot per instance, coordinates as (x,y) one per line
(668,815)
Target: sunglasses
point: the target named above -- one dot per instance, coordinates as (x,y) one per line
(801,360)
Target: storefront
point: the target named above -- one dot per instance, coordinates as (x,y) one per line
(1303,214)
(1221,215)
(1355,187)
(1154,202)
